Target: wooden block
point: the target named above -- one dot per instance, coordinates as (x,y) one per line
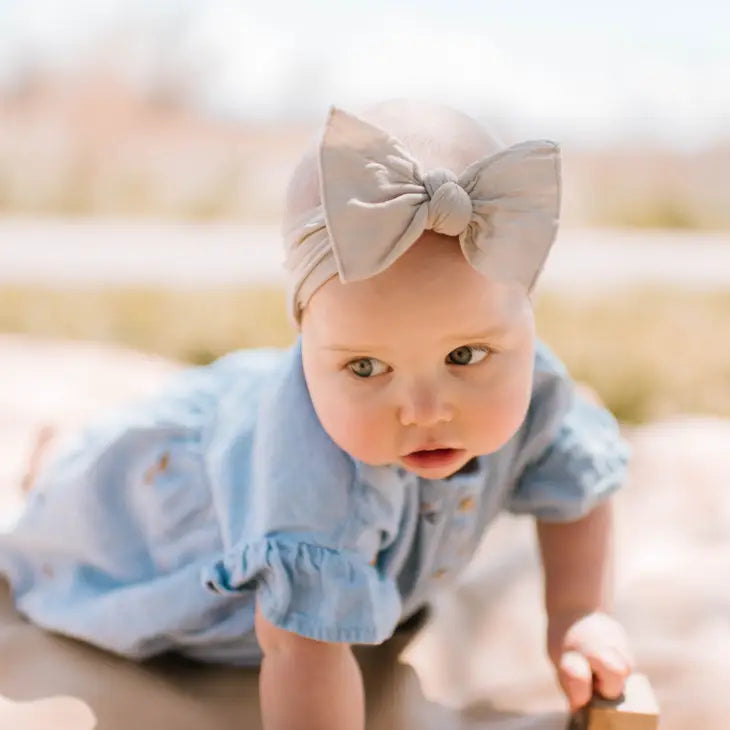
(637,709)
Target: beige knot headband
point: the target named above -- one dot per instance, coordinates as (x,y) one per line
(377,201)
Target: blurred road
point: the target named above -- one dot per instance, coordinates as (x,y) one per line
(68,252)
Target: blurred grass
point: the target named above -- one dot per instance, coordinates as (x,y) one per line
(649,353)
(666,213)
(193,326)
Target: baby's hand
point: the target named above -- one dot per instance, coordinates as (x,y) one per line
(589,653)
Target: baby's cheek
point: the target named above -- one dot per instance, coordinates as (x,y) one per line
(499,415)
(360,431)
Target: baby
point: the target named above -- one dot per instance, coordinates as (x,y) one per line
(276,507)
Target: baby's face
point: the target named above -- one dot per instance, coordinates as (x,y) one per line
(425,365)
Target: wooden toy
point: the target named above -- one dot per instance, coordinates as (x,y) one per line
(636,709)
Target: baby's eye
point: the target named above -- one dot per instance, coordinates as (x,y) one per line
(366,367)
(468,355)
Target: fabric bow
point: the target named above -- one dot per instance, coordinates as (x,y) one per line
(377,201)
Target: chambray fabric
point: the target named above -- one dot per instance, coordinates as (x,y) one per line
(159,525)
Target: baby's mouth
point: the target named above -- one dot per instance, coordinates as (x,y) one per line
(433,458)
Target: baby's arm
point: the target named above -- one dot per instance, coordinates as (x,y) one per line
(583,640)
(306,684)
(577,559)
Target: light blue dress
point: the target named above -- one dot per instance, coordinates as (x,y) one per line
(158,528)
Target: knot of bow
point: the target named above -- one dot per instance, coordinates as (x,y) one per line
(449,205)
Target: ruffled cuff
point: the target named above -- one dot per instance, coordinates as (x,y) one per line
(314,591)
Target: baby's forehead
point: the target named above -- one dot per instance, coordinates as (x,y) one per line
(431,287)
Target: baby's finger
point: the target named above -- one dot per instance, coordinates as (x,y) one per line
(610,670)
(576,679)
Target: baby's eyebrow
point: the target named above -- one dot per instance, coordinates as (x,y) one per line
(495,331)
(350,348)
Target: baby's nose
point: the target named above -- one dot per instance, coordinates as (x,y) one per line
(425,407)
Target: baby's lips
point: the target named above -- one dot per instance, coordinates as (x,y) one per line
(421,449)
(433,447)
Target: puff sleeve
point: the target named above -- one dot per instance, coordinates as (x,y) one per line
(302,530)
(570,453)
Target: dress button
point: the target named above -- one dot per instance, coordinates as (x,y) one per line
(440,573)
(430,512)
(467,504)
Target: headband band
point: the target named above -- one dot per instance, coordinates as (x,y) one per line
(377,201)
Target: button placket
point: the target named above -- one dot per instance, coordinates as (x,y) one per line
(457,548)
(459,535)
(431,504)
(434,527)
(446,560)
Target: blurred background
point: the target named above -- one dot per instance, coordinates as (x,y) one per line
(145,148)
(144,153)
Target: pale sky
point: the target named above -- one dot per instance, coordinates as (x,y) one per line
(583,70)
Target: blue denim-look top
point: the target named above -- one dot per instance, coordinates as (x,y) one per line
(163,522)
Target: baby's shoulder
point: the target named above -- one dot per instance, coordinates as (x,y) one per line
(552,386)
(558,414)
(547,363)
(227,387)
(268,408)
(237,369)
(289,435)
(270,445)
